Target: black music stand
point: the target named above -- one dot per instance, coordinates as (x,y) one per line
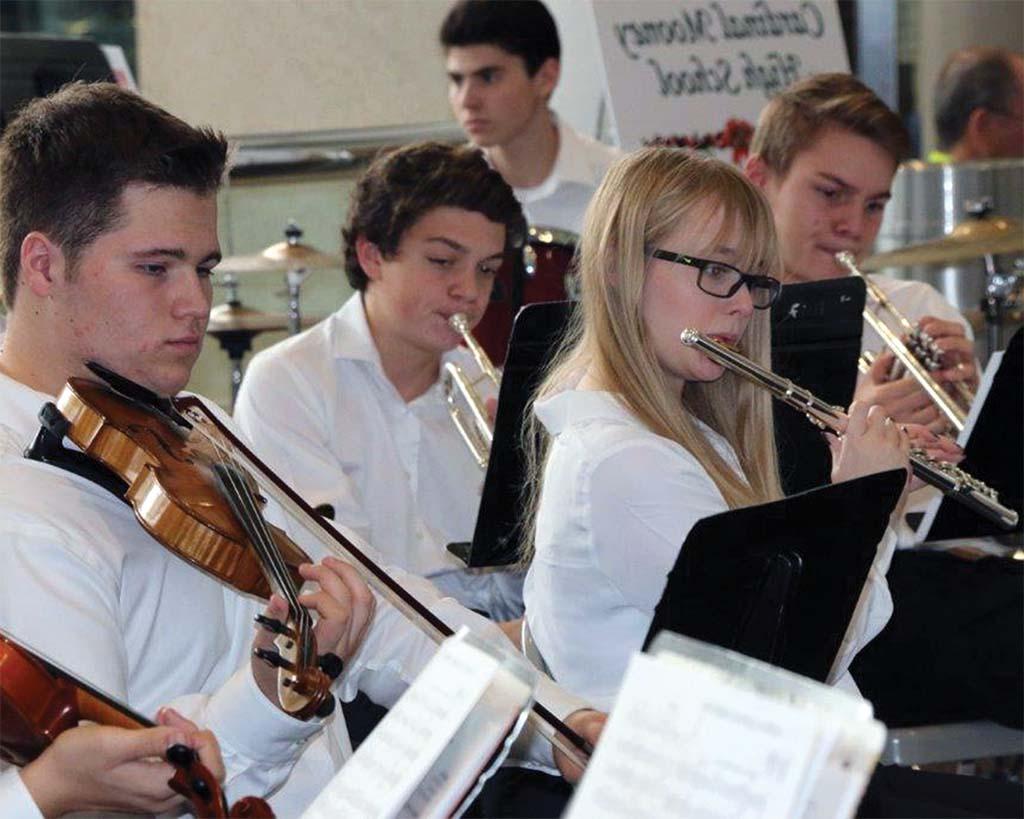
(535,335)
(994,452)
(816,338)
(779,582)
(816,330)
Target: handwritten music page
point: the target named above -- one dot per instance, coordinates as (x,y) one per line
(677,744)
(700,731)
(392,762)
(849,739)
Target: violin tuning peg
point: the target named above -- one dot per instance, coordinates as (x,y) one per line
(272,658)
(200,788)
(272,625)
(331,664)
(180,755)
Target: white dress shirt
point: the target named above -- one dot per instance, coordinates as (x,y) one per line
(15,800)
(85,584)
(320,407)
(561,200)
(617,504)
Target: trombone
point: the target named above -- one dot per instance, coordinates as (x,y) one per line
(920,356)
(465,406)
(951,480)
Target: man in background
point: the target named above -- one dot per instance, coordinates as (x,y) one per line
(979,106)
(503,63)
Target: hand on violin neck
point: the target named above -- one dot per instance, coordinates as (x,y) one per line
(344,607)
(344,603)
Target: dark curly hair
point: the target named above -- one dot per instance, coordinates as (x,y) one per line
(401,186)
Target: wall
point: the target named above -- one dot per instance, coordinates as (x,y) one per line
(946,25)
(280,66)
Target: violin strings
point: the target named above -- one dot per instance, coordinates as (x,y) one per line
(254,524)
(261,531)
(247,510)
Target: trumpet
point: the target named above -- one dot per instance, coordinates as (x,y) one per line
(919,356)
(954,482)
(473,423)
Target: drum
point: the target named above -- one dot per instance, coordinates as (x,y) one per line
(929,200)
(542,272)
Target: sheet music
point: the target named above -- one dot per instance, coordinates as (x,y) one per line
(843,776)
(702,731)
(391,763)
(470,758)
(679,743)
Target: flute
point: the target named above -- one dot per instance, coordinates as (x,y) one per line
(949,479)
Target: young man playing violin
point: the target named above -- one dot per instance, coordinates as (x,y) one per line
(825,152)
(107,237)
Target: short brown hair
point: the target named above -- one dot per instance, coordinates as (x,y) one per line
(793,119)
(400,187)
(66,159)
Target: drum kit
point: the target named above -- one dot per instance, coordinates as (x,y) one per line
(541,272)
(234,325)
(941,227)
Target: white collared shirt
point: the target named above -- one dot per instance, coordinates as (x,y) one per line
(320,408)
(618,501)
(85,584)
(15,800)
(561,200)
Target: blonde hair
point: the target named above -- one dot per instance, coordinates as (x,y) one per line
(643,198)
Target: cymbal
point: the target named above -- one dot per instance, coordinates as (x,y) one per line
(228,318)
(969,240)
(280,258)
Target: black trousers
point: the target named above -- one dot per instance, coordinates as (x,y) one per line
(954,648)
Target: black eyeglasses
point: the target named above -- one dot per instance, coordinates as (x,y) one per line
(722,280)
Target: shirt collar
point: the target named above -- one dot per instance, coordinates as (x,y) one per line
(571,407)
(350,332)
(571,163)
(351,339)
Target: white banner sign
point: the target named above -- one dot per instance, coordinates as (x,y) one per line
(684,68)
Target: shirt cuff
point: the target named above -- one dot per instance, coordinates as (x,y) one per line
(247,723)
(15,800)
(532,749)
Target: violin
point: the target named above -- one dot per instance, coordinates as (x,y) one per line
(190,495)
(40,700)
(197,489)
